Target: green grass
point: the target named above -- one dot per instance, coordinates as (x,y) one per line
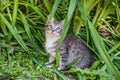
(22,38)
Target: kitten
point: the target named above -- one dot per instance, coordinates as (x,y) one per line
(71,48)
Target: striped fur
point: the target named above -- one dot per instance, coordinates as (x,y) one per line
(71,48)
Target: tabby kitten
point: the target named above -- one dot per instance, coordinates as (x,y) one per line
(71,48)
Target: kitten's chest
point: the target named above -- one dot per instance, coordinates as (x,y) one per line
(51,44)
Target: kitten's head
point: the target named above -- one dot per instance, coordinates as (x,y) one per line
(54,27)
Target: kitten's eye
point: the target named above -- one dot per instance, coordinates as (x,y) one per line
(50,26)
(58,29)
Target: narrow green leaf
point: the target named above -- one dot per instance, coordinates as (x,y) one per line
(114,48)
(26,25)
(3,27)
(47,5)
(61,75)
(118,12)
(39,12)
(10,15)
(77,22)
(79,76)
(14,12)
(4,45)
(54,8)
(89,5)
(72,7)
(73,61)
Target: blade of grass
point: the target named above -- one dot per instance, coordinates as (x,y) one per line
(2,25)
(54,8)
(77,22)
(114,48)
(61,75)
(32,2)
(10,15)
(90,5)
(14,12)
(38,11)
(71,9)
(47,5)
(118,13)
(73,61)
(79,76)
(26,25)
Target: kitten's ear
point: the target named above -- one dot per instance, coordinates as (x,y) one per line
(50,20)
(62,22)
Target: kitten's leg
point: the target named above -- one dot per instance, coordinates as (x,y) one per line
(52,53)
(51,59)
(63,57)
(61,64)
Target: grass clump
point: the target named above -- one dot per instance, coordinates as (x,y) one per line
(19,67)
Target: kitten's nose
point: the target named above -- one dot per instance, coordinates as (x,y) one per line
(53,30)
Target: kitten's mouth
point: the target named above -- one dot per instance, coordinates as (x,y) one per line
(55,34)
(52,31)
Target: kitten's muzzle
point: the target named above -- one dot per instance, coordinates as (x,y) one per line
(52,31)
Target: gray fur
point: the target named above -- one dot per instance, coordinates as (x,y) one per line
(71,48)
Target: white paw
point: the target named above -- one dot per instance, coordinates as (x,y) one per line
(49,66)
(47,63)
(60,68)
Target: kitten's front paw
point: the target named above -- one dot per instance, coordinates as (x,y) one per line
(60,68)
(48,65)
